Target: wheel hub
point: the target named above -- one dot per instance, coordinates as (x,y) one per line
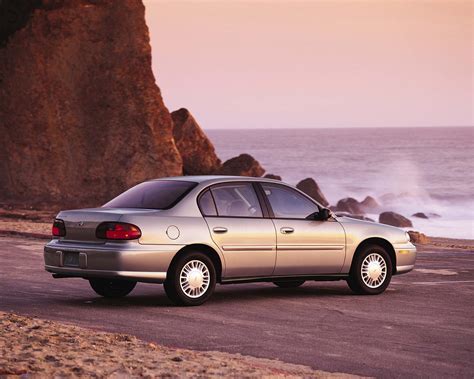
(374,270)
(194,278)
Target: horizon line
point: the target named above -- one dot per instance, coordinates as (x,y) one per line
(346,127)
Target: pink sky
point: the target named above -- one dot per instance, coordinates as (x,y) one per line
(291,64)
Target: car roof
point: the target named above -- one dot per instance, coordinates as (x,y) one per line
(209,179)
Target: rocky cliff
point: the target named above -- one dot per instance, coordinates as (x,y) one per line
(81,118)
(197,151)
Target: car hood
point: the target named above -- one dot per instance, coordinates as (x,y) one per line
(367,229)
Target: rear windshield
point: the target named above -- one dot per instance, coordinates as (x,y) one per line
(158,194)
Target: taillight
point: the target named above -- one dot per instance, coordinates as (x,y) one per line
(59,229)
(118,231)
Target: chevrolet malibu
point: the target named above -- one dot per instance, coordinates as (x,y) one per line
(192,232)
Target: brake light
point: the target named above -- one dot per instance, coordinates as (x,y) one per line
(59,229)
(118,231)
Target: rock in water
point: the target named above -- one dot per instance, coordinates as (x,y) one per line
(394,219)
(369,204)
(417,237)
(197,151)
(419,215)
(81,118)
(349,205)
(243,165)
(311,188)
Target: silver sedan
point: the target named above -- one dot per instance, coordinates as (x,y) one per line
(192,232)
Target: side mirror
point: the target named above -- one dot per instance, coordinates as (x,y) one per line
(322,215)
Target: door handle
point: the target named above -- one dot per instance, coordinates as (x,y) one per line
(219,229)
(286,230)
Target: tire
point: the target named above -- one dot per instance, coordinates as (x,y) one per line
(371,271)
(289,284)
(112,287)
(191,279)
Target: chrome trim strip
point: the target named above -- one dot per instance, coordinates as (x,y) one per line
(248,247)
(309,247)
(126,274)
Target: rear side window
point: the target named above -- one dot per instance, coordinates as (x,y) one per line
(206,204)
(237,200)
(157,194)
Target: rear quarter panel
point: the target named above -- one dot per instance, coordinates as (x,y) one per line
(178,231)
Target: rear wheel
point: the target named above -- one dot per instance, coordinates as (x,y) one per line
(371,271)
(112,287)
(191,280)
(289,284)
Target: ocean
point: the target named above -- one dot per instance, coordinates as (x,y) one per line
(407,170)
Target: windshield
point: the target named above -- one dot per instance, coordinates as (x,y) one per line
(157,194)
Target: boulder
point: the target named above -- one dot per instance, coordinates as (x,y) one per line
(369,204)
(349,205)
(271,176)
(420,215)
(394,219)
(196,150)
(243,165)
(311,188)
(81,116)
(417,237)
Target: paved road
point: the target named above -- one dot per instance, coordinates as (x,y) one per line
(421,326)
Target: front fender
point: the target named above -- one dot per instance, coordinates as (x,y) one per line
(358,231)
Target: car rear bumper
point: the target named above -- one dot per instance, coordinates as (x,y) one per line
(405,256)
(146,263)
(139,276)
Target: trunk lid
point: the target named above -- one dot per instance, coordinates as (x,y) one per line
(81,224)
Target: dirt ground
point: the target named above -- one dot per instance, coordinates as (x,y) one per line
(39,348)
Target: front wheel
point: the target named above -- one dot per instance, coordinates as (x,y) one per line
(112,287)
(371,271)
(289,284)
(191,280)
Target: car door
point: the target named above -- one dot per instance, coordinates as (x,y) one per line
(240,229)
(304,247)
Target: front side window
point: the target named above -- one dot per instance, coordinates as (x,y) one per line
(156,194)
(237,200)
(288,203)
